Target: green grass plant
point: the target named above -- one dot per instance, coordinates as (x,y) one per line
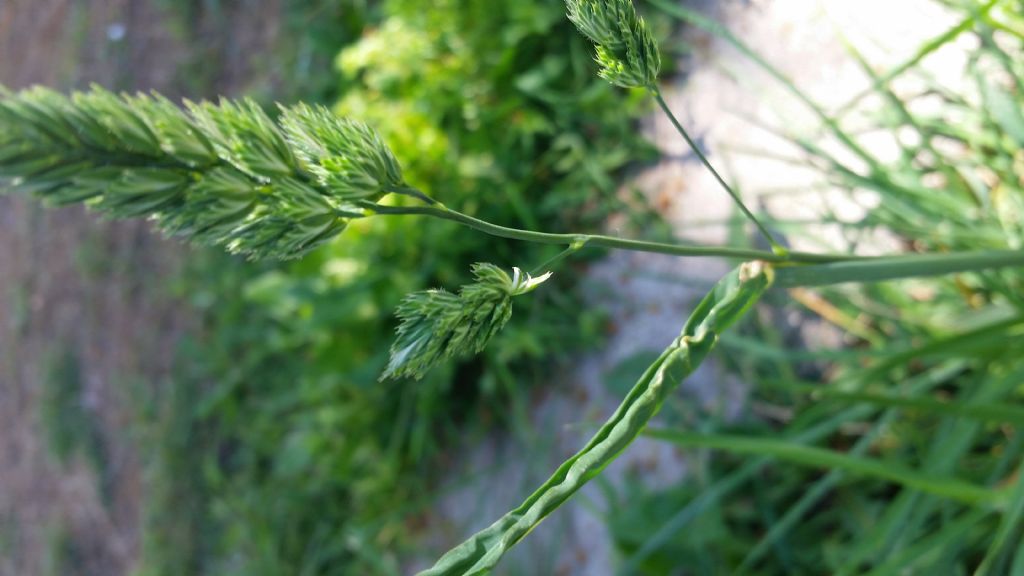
(966,332)
(909,483)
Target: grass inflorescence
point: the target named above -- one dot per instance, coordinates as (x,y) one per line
(223,174)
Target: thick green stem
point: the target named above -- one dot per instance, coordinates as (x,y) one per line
(598,241)
(776,247)
(896,267)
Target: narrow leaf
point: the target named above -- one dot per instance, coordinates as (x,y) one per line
(820,458)
(726,304)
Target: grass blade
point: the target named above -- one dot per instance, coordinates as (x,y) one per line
(780,528)
(897,267)
(1001,549)
(818,430)
(696,19)
(913,558)
(727,303)
(983,411)
(925,49)
(820,458)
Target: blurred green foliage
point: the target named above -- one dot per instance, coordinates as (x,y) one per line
(67,420)
(276,450)
(932,383)
(308,36)
(280,451)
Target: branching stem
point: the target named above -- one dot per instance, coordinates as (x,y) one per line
(598,241)
(572,249)
(776,247)
(793,268)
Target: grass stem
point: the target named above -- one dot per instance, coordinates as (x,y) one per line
(897,267)
(599,241)
(776,247)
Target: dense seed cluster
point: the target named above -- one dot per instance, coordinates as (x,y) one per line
(626,49)
(224,174)
(437,325)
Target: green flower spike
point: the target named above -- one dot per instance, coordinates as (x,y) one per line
(436,325)
(626,50)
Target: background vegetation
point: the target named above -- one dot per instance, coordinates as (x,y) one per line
(879,464)
(275,450)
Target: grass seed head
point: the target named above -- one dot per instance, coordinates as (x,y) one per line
(626,49)
(437,325)
(224,174)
